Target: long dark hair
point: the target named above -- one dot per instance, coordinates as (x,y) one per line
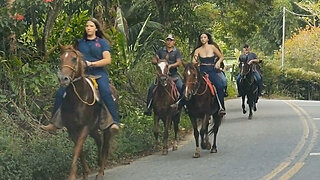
(199,43)
(99,31)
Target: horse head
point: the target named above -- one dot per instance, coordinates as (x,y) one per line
(163,72)
(245,69)
(71,65)
(191,77)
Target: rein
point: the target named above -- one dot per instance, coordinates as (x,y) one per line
(76,92)
(76,79)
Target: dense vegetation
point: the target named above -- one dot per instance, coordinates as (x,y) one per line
(31,30)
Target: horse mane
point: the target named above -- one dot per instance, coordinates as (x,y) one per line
(71,48)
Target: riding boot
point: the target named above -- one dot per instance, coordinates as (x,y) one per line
(221,111)
(148,112)
(51,128)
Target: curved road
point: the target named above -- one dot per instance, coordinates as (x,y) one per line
(280,142)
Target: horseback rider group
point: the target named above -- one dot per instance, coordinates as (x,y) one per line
(207,54)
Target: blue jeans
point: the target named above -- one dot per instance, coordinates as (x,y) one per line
(105,94)
(259,81)
(218,79)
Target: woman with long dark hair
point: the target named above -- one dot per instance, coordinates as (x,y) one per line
(96,53)
(210,59)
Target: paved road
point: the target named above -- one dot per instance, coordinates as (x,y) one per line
(280,142)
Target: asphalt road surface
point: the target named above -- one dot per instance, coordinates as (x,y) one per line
(280,142)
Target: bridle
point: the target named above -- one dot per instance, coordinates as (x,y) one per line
(74,68)
(73,79)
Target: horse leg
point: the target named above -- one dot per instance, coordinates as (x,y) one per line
(196,136)
(79,141)
(104,153)
(166,135)
(98,139)
(204,132)
(215,129)
(176,120)
(243,106)
(156,128)
(84,165)
(250,102)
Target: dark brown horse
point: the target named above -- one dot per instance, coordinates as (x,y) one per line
(165,94)
(80,112)
(201,105)
(248,86)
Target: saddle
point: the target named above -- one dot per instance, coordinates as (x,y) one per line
(174,90)
(209,84)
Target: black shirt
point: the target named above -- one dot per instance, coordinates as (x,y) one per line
(247,57)
(173,56)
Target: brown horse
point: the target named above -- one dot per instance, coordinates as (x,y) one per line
(248,86)
(80,112)
(165,94)
(201,105)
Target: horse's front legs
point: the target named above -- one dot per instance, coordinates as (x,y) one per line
(166,135)
(175,120)
(243,104)
(156,128)
(215,129)
(205,144)
(196,136)
(78,141)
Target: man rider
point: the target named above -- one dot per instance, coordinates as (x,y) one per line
(174,61)
(250,58)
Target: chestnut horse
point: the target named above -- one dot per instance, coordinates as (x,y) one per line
(201,104)
(165,94)
(248,86)
(80,112)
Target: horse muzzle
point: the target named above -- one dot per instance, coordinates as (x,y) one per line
(164,80)
(64,80)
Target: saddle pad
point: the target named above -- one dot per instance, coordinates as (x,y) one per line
(207,80)
(94,87)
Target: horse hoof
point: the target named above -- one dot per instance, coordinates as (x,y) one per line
(203,146)
(208,146)
(244,111)
(196,155)
(99,177)
(164,151)
(174,148)
(213,150)
(250,117)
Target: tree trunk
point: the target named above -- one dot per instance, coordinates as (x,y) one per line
(161,6)
(49,24)
(12,37)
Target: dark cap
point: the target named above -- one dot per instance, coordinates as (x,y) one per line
(245,46)
(170,36)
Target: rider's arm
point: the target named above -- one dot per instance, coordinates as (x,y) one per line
(195,56)
(106,59)
(254,60)
(220,56)
(176,64)
(178,60)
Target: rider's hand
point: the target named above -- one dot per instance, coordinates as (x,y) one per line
(217,66)
(89,64)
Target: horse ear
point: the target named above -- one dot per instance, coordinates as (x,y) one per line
(60,45)
(196,64)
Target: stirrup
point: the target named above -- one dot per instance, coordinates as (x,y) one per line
(221,112)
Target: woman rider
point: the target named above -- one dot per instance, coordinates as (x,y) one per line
(96,52)
(210,57)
